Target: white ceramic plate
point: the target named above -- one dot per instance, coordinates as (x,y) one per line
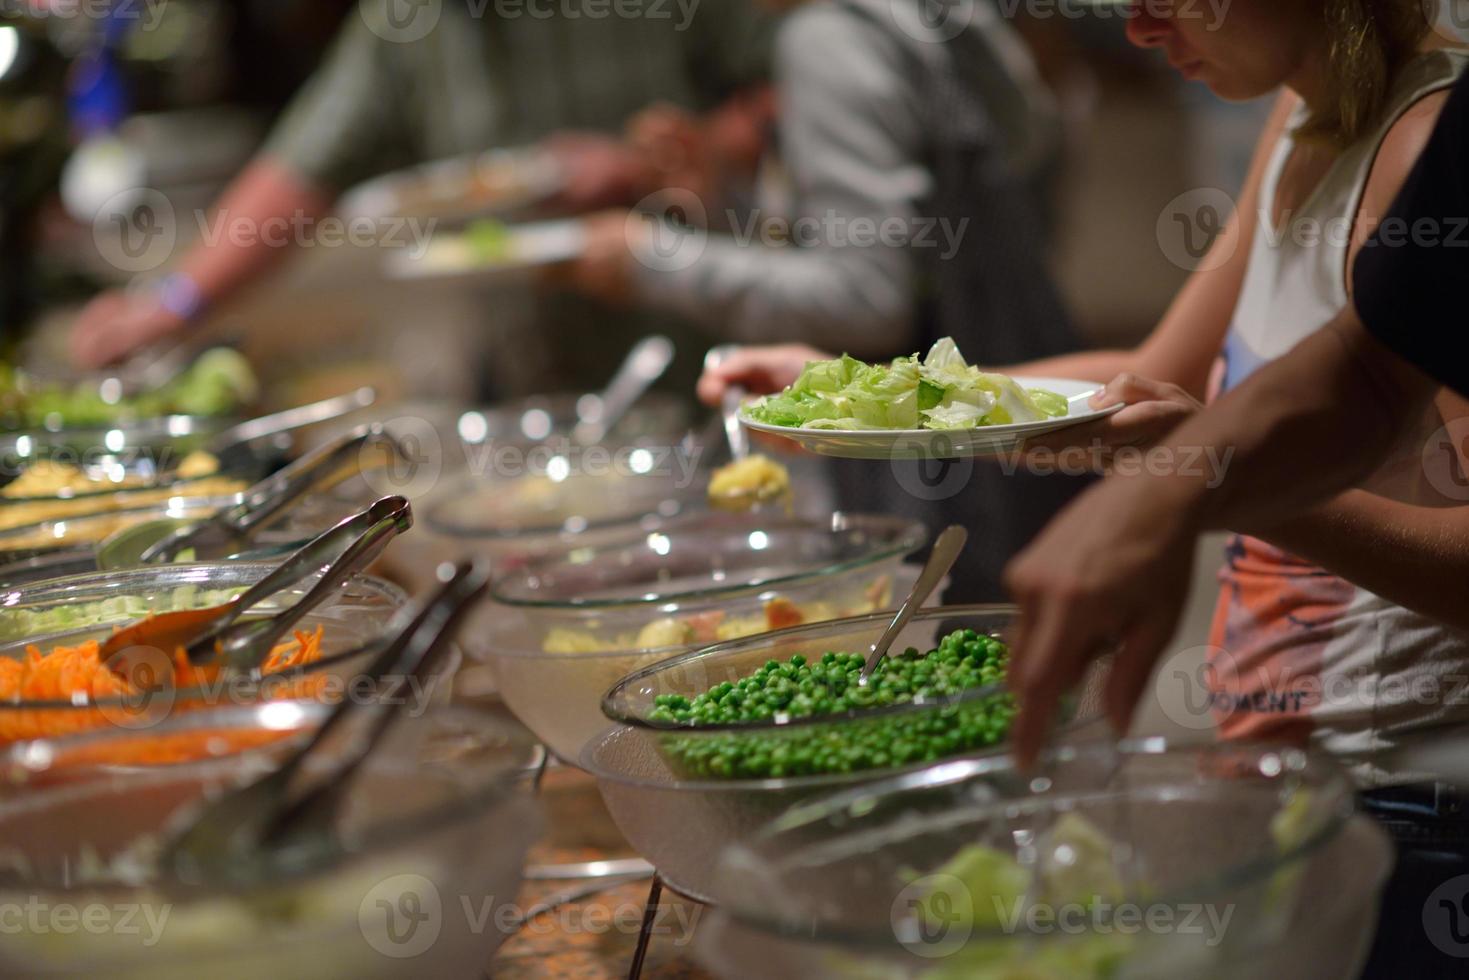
(941,443)
(495,182)
(529,245)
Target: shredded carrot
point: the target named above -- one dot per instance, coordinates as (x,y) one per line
(78,675)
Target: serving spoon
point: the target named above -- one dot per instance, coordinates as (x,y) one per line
(738,438)
(216,634)
(644,364)
(946,549)
(224,838)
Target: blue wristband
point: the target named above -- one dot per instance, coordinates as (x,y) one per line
(180,295)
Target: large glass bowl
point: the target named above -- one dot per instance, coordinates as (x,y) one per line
(29,552)
(509,501)
(425,863)
(73,610)
(564,629)
(254,736)
(680,821)
(1138,861)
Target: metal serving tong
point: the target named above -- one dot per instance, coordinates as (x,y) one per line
(231,530)
(219,634)
(293,809)
(234,443)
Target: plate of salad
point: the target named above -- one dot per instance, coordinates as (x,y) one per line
(938,406)
(490,247)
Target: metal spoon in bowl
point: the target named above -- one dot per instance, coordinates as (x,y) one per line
(945,552)
(772,481)
(217,634)
(224,839)
(644,364)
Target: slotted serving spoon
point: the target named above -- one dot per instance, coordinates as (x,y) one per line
(293,808)
(218,634)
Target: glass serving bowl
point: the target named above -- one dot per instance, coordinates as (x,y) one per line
(32,544)
(680,821)
(564,629)
(73,610)
(1135,861)
(417,879)
(254,736)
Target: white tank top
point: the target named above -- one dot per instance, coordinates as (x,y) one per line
(1298,652)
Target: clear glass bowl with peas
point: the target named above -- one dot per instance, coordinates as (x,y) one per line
(715,741)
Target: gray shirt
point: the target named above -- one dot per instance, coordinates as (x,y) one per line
(493,73)
(851,141)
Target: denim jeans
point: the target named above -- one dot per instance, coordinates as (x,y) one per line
(1423,927)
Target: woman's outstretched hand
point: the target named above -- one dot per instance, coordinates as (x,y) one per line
(759,370)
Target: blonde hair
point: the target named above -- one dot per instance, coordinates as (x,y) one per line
(1368,42)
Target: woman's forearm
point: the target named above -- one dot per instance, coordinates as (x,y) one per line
(241,244)
(1092,365)
(1415,556)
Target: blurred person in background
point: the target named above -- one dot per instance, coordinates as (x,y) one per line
(916,166)
(477,79)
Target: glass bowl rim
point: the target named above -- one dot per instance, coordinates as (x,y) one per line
(774,724)
(907,537)
(158,509)
(434,518)
(500,787)
(382,587)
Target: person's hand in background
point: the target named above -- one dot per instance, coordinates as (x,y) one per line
(118,323)
(706,155)
(759,370)
(598,171)
(1110,573)
(677,148)
(1152,410)
(605,268)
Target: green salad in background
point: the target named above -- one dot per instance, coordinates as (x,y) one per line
(489,240)
(220,382)
(941,391)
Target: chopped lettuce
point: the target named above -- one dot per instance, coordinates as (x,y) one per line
(943,391)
